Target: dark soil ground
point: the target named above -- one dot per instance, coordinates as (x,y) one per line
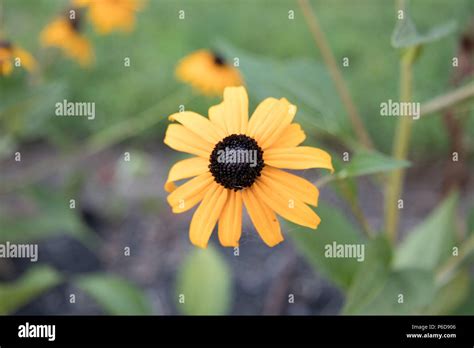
(126,209)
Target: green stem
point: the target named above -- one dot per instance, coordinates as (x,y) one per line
(447,100)
(394,187)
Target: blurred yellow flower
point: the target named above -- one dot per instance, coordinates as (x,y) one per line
(64,34)
(208,72)
(12,55)
(110,15)
(238,161)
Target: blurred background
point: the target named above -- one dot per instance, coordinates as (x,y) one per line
(122,251)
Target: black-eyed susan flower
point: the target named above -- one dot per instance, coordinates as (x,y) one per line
(110,15)
(12,55)
(238,162)
(208,72)
(64,34)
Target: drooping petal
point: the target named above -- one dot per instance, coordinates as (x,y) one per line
(263,218)
(182,139)
(301,157)
(190,193)
(276,123)
(230,221)
(301,188)
(236,105)
(206,215)
(286,205)
(291,137)
(199,125)
(186,169)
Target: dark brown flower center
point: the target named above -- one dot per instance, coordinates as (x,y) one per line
(218,59)
(5,44)
(236,162)
(75,18)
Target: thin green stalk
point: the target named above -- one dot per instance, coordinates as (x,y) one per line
(330,61)
(394,187)
(447,100)
(356,209)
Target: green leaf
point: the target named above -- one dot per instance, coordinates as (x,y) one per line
(114,294)
(371,275)
(402,292)
(334,228)
(450,296)
(204,283)
(303,82)
(406,34)
(431,242)
(365,163)
(467,306)
(30,285)
(52,216)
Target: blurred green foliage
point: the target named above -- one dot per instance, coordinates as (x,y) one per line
(159,41)
(114,294)
(433,239)
(204,283)
(33,283)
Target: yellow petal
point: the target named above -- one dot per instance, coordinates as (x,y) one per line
(186,169)
(230,221)
(26,60)
(6,67)
(190,193)
(236,105)
(57,33)
(263,218)
(278,119)
(217,117)
(78,47)
(199,125)
(286,204)
(270,120)
(257,121)
(182,139)
(299,187)
(291,137)
(206,215)
(301,157)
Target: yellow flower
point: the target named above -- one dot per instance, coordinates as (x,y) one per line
(238,162)
(10,55)
(208,72)
(64,34)
(110,15)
